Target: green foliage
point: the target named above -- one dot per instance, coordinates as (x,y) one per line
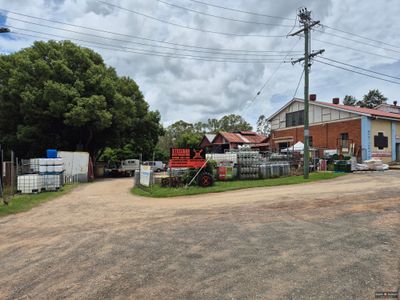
(349,100)
(188,176)
(20,203)
(233,122)
(60,95)
(184,134)
(222,186)
(210,166)
(372,99)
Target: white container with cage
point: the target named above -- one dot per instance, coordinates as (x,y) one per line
(30,183)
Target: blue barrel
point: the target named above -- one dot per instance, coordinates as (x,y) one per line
(51,153)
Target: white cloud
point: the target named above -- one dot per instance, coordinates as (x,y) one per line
(196,90)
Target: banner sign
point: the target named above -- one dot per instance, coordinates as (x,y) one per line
(145,172)
(381,154)
(187,158)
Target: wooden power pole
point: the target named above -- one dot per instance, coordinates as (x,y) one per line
(307,23)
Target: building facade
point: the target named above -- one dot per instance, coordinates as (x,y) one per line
(362,132)
(225,141)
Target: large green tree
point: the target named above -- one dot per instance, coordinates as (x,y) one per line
(349,100)
(372,99)
(60,95)
(233,122)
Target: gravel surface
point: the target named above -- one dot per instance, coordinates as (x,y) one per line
(337,239)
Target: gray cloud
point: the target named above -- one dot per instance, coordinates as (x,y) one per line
(196,90)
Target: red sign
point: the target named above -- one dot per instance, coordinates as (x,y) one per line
(187,158)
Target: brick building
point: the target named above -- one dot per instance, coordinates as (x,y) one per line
(363,132)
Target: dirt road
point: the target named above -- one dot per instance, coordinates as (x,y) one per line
(336,239)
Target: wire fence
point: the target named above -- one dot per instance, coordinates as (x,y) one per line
(28,176)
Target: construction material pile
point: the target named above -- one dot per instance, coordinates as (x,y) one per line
(249,162)
(274,170)
(372,165)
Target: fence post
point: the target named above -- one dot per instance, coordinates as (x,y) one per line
(12,173)
(1,172)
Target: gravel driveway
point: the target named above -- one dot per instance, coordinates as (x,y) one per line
(337,239)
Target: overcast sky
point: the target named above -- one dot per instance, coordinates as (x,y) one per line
(195,90)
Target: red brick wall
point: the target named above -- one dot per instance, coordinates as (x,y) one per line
(324,135)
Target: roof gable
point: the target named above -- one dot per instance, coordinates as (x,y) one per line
(350,109)
(361,110)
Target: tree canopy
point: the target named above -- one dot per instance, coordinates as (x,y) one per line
(60,95)
(372,99)
(184,134)
(263,126)
(349,100)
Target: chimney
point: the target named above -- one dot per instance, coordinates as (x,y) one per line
(313,97)
(335,100)
(395,103)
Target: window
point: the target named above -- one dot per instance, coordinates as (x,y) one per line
(295,118)
(380,141)
(344,140)
(310,141)
(283,145)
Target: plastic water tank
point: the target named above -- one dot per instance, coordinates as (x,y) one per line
(51,153)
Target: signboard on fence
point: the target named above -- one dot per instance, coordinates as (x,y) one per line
(187,158)
(145,172)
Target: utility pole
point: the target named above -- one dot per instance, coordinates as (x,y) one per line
(305,19)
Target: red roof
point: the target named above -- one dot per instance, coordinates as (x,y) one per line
(243,137)
(363,110)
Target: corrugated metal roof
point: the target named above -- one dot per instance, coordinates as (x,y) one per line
(240,138)
(352,109)
(362,110)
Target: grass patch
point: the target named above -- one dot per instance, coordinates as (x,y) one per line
(25,202)
(223,186)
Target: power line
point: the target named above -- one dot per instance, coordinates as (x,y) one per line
(144,38)
(360,36)
(360,68)
(270,78)
(241,11)
(186,26)
(355,49)
(221,17)
(264,85)
(139,43)
(298,84)
(349,70)
(356,41)
(150,53)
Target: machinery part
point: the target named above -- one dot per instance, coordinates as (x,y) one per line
(174,181)
(205,180)
(165,182)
